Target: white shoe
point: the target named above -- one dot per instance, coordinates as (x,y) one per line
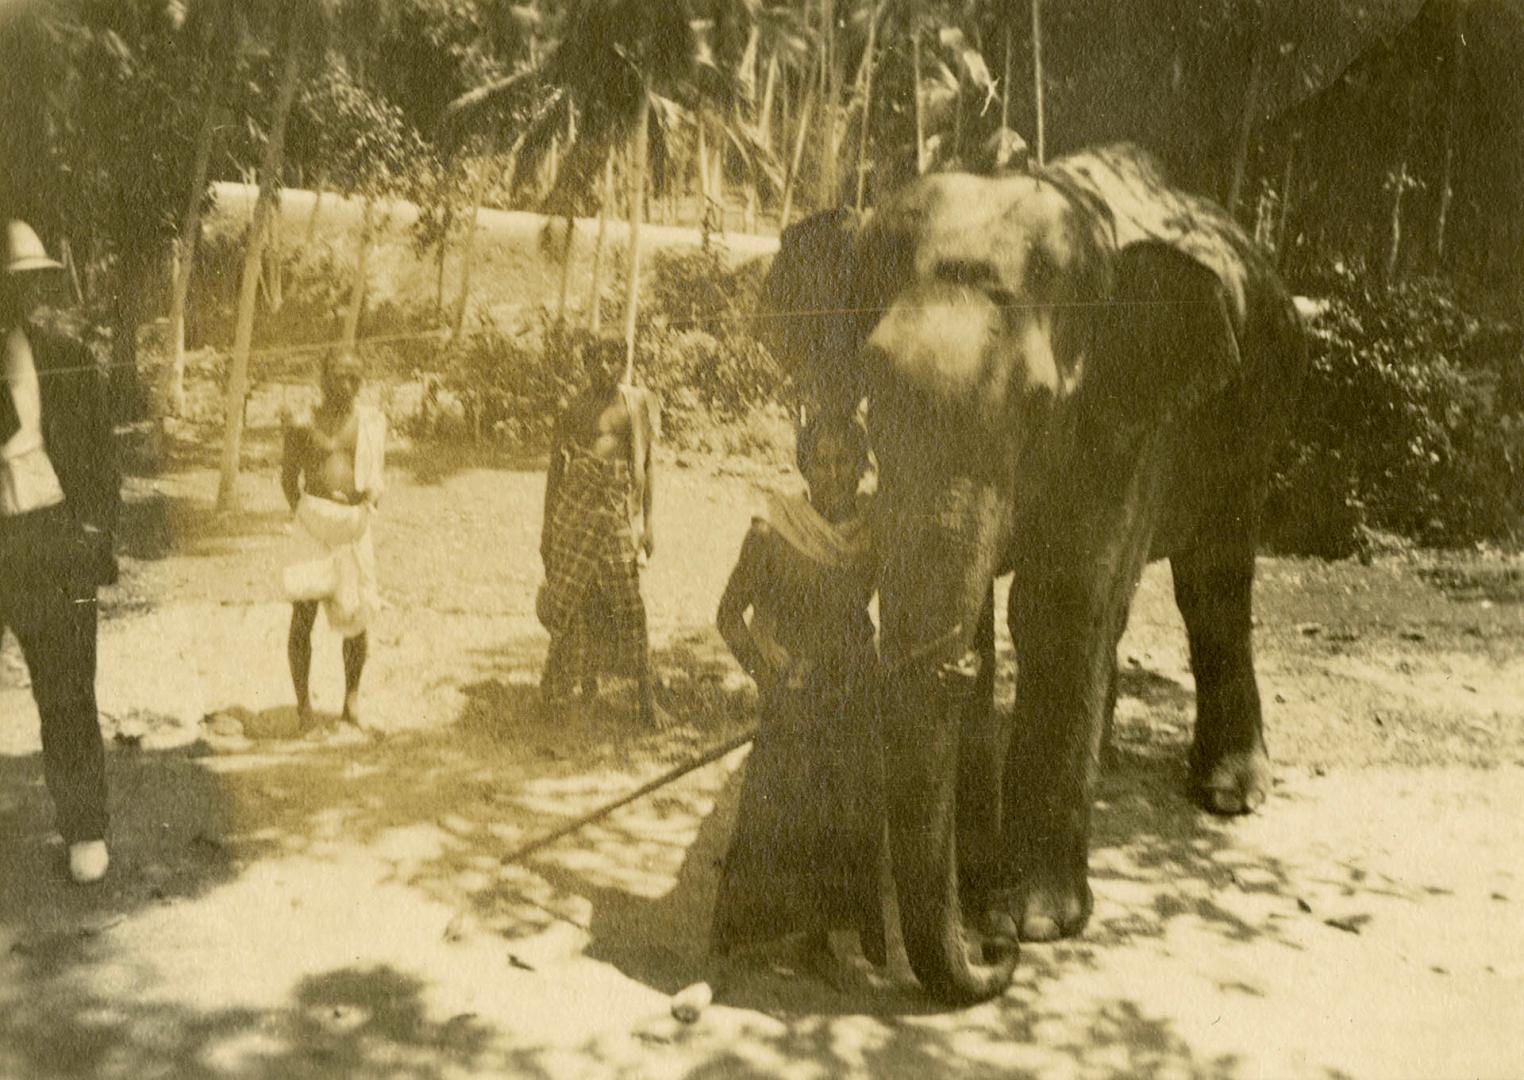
(88,860)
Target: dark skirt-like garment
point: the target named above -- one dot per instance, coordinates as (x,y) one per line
(808,841)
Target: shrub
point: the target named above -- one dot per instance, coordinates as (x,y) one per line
(511,381)
(316,290)
(694,349)
(696,345)
(1394,434)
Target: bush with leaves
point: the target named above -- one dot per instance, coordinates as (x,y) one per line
(1394,434)
(696,347)
(693,348)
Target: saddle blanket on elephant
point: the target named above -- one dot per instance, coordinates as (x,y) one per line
(334,563)
(592,574)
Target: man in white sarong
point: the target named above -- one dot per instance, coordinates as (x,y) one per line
(332,478)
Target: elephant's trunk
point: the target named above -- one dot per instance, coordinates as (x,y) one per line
(921,754)
(940,547)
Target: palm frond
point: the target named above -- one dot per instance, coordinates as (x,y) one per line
(490,94)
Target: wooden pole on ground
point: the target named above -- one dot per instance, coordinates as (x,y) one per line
(676,773)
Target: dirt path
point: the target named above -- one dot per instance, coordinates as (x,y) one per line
(283,906)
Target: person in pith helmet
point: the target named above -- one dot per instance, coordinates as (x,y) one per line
(59,499)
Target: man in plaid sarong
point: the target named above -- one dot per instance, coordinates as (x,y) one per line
(597,527)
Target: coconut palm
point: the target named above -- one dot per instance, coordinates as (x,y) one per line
(623,73)
(214,31)
(297,30)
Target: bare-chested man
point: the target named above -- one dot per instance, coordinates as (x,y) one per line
(332,480)
(598,496)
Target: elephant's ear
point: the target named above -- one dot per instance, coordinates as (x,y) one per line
(809,313)
(1166,342)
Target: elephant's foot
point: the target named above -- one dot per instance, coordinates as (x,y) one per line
(1231,783)
(1049,906)
(1054,907)
(997,934)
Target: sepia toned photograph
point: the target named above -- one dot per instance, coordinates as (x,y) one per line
(692,539)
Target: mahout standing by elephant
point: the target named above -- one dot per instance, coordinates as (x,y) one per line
(807,848)
(1069,371)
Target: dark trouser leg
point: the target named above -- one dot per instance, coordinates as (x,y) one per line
(48,604)
(355,650)
(1230,771)
(299,653)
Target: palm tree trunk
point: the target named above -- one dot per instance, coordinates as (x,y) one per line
(357,292)
(566,253)
(605,198)
(66,256)
(703,160)
(275,285)
(749,222)
(957,139)
(786,107)
(243,335)
(637,185)
(317,206)
(1394,241)
(1037,81)
(717,185)
(765,115)
(1446,179)
(862,141)
(1286,180)
(920,107)
(468,252)
(794,161)
(185,253)
(1005,86)
(1246,118)
(830,84)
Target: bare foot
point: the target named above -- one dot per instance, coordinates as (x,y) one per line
(351,714)
(304,716)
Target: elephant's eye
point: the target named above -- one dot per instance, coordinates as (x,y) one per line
(1002,298)
(1041,271)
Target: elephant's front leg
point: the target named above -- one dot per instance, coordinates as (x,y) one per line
(1064,627)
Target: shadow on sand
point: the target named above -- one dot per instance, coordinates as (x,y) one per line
(639,883)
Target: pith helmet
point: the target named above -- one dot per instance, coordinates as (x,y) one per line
(24,251)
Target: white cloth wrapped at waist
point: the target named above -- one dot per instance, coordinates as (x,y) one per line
(334,562)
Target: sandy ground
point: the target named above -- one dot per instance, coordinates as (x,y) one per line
(290,905)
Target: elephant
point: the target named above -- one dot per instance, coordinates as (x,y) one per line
(1069,370)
